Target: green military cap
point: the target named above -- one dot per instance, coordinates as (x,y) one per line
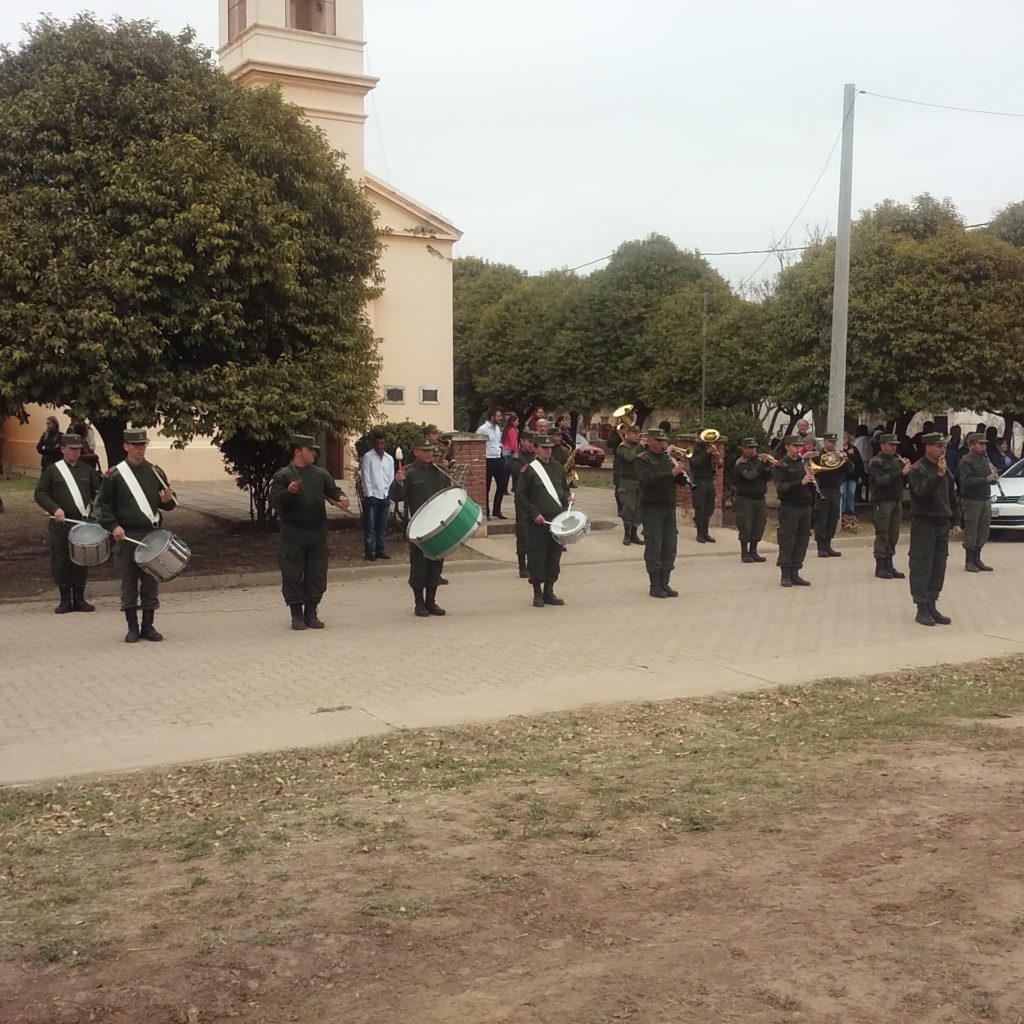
(792,439)
(830,437)
(933,439)
(424,446)
(545,441)
(888,439)
(528,435)
(657,434)
(303,441)
(439,449)
(70,441)
(748,442)
(976,439)
(135,437)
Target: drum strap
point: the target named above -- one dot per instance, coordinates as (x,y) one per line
(536,466)
(132,483)
(76,492)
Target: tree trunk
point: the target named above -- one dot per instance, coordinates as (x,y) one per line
(641,410)
(903,421)
(112,434)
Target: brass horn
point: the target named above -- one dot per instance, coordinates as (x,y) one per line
(626,419)
(709,436)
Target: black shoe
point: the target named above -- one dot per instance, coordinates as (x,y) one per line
(497,515)
(969,563)
(745,555)
(441,581)
(753,553)
(421,611)
(700,538)
(65,605)
(942,620)
(131,616)
(882,569)
(421,604)
(924,615)
(310,618)
(634,537)
(148,631)
(798,580)
(822,551)
(979,563)
(380,554)
(369,557)
(832,553)
(626,539)
(298,622)
(538,596)
(78,601)
(549,595)
(893,571)
(708,539)
(657,587)
(432,606)
(669,592)
(787,578)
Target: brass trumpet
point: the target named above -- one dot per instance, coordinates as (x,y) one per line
(677,454)
(768,459)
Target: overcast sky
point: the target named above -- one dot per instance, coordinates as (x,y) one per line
(550,131)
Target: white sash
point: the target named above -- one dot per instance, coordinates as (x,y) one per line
(141,500)
(546,480)
(76,493)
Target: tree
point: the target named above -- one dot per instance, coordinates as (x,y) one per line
(1008,224)
(175,248)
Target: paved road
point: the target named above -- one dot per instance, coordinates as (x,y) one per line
(232,678)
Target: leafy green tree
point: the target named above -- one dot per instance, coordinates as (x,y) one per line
(175,248)
(1008,224)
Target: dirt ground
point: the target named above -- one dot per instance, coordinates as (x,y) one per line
(848,852)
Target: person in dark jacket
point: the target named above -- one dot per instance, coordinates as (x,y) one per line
(49,443)
(751,474)
(887,474)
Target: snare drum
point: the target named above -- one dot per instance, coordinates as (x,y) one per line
(162,555)
(89,544)
(443,522)
(569,527)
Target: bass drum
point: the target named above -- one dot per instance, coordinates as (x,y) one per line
(443,522)
(569,527)
(162,555)
(89,544)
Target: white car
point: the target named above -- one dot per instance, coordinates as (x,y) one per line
(1008,499)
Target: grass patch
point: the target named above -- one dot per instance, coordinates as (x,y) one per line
(596,477)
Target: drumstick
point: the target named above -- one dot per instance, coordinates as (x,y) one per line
(82,522)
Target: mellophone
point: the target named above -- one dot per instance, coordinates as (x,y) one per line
(161,554)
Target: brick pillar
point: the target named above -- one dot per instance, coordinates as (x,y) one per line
(469,450)
(684,496)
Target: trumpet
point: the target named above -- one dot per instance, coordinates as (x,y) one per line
(677,454)
(768,459)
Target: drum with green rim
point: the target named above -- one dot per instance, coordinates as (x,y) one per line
(443,522)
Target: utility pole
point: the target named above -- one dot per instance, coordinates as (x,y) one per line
(704,357)
(841,285)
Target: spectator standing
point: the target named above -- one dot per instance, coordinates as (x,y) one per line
(49,443)
(954,452)
(1007,456)
(491,430)
(854,475)
(377,473)
(538,415)
(862,442)
(509,445)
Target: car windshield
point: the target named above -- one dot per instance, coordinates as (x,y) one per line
(1017,469)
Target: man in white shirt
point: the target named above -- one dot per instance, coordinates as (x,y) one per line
(491,429)
(377,472)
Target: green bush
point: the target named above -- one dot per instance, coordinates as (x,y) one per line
(734,425)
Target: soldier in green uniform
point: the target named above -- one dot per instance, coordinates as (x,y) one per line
(628,487)
(129,504)
(297,493)
(886,477)
(67,490)
(976,479)
(658,477)
(934,508)
(615,438)
(826,515)
(414,485)
(520,461)
(702,473)
(544,494)
(793,483)
(751,474)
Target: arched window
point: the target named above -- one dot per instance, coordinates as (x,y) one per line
(312,16)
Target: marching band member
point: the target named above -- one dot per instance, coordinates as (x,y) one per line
(544,494)
(750,486)
(977,475)
(887,475)
(520,461)
(829,503)
(659,477)
(793,483)
(627,484)
(703,466)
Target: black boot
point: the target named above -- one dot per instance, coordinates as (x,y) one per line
(669,592)
(634,537)
(657,587)
(893,571)
(148,631)
(822,549)
(524,573)
(65,602)
(942,620)
(538,596)
(433,608)
(745,555)
(708,539)
(754,556)
(700,536)
(549,595)
(831,551)
(787,578)
(421,604)
(298,622)
(78,601)
(798,580)
(882,569)
(979,563)
(924,615)
(626,538)
(131,616)
(441,581)
(310,617)
(969,565)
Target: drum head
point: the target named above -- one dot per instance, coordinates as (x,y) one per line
(567,522)
(436,513)
(153,546)
(87,534)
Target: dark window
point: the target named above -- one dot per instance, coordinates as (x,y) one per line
(312,16)
(393,393)
(236,18)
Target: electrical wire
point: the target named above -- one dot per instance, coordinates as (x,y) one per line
(939,106)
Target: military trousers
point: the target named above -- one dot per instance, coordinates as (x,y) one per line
(138,588)
(751,516)
(543,554)
(887,516)
(929,549)
(703,504)
(522,530)
(628,493)
(65,572)
(660,539)
(423,571)
(302,558)
(794,535)
(977,519)
(826,517)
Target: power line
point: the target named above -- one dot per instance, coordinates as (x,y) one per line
(940,106)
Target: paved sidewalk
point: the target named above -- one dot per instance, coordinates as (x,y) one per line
(231,678)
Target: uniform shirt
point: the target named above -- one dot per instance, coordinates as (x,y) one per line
(787,476)
(377,473)
(657,484)
(519,463)
(115,505)
(305,509)
(885,475)
(625,459)
(974,471)
(701,467)
(932,496)
(422,481)
(533,496)
(751,477)
(493,434)
(52,492)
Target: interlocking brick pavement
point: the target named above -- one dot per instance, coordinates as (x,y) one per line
(231,678)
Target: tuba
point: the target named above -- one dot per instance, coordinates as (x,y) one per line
(626,419)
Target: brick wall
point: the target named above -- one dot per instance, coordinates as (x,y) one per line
(684,496)
(469,450)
